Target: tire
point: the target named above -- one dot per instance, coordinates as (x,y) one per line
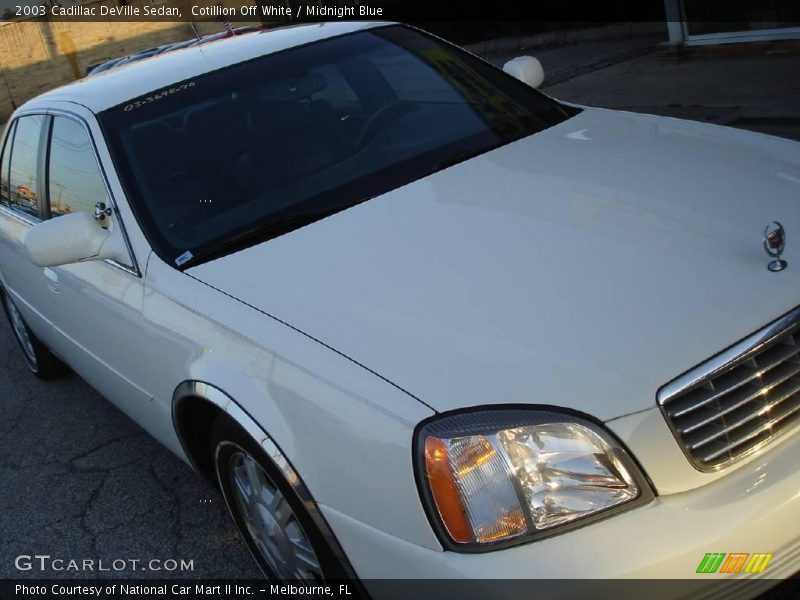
(274,522)
(39,359)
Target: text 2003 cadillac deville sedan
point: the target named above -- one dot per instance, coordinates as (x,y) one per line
(415,318)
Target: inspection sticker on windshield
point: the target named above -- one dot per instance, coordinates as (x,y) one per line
(184,258)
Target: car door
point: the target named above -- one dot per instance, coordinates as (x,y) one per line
(87,313)
(94,305)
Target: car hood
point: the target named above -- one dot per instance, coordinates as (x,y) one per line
(584,266)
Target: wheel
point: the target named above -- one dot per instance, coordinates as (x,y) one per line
(273,520)
(39,359)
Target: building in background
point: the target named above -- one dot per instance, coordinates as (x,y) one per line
(703,22)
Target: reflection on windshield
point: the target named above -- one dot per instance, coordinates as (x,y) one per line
(257,149)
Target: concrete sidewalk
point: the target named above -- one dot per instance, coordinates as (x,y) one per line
(759,91)
(574,59)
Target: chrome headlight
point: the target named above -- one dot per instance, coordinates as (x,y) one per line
(506,476)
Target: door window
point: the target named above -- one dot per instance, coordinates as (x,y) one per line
(4,162)
(23,180)
(75,182)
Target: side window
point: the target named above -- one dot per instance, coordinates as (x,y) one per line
(23,180)
(75,182)
(4,163)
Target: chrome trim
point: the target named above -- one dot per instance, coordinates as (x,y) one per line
(737,353)
(127,268)
(775,230)
(10,212)
(101,211)
(722,362)
(214,395)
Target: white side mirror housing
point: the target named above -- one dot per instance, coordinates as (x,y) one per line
(527,69)
(72,238)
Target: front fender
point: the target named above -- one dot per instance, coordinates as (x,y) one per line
(347,432)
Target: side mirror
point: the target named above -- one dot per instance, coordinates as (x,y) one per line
(72,238)
(527,69)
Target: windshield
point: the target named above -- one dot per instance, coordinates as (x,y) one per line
(249,152)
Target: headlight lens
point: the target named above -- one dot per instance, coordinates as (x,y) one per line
(507,476)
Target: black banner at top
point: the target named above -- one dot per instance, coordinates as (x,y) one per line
(754,13)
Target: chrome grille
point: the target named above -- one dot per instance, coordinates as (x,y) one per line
(739,400)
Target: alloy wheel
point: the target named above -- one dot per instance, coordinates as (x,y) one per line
(272,524)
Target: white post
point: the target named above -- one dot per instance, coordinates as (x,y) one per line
(675,25)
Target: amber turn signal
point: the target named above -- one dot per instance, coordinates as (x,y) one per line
(445,491)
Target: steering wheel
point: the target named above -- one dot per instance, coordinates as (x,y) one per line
(380,118)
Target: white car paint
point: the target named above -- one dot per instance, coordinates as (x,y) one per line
(753,508)
(554,251)
(570,268)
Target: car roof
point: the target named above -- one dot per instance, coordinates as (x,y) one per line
(149,52)
(114,86)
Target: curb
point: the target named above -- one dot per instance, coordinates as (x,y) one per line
(566,74)
(572,36)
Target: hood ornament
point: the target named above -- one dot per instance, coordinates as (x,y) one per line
(774,244)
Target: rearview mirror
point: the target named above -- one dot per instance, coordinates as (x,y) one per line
(527,69)
(69,239)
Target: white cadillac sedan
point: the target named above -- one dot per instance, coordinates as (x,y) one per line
(415,318)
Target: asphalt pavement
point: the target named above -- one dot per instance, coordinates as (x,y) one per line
(80,480)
